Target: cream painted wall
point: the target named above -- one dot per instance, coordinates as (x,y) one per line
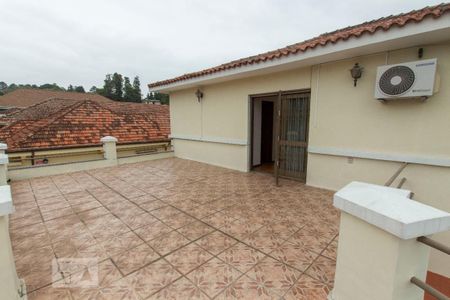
(224,114)
(351,119)
(341,117)
(222,155)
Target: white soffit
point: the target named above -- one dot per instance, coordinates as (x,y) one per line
(413,34)
(391,209)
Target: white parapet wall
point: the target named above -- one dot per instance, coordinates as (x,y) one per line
(378,252)
(109,159)
(11,286)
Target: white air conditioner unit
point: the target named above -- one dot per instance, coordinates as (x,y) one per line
(407,80)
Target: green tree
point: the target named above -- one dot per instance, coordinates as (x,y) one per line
(117,87)
(79,89)
(3,86)
(128,92)
(93,89)
(107,89)
(70,88)
(137,94)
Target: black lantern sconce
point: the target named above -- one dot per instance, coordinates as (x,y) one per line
(356,73)
(199,95)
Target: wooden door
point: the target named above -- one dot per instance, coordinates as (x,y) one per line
(292,135)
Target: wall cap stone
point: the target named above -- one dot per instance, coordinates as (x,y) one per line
(108,138)
(3,146)
(391,209)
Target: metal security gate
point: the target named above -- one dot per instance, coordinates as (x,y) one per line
(292,135)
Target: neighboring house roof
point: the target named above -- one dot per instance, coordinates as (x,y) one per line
(344,34)
(26,97)
(64,123)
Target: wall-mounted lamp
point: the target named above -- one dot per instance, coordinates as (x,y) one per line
(356,73)
(199,95)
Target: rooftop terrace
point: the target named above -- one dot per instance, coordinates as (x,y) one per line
(173,229)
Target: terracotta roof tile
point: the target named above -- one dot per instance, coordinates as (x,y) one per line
(27,97)
(62,123)
(321,40)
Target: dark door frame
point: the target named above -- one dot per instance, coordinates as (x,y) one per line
(251,98)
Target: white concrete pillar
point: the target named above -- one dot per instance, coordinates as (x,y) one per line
(109,148)
(3,164)
(10,285)
(378,252)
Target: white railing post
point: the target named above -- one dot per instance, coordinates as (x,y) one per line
(10,285)
(3,164)
(378,253)
(110,149)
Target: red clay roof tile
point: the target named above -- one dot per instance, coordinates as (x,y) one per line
(62,123)
(322,40)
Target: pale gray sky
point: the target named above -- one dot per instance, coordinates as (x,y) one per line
(79,41)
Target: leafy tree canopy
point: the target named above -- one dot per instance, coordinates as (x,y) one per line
(119,88)
(157,97)
(6,88)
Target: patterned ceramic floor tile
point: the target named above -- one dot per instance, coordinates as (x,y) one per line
(49,293)
(241,229)
(308,288)
(304,239)
(152,278)
(180,289)
(214,276)
(323,269)
(187,211)
(216,242)
(241,256)
(152,231)
(188,258)
(275,275)
(195,230)
(179,221)
(134,258)
(294,256)
(169,242)
(331,250)
(121,243)
(246,288)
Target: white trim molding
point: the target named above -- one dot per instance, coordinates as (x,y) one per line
(414,159)
(219,140)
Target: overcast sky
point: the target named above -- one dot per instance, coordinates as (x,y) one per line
(79,41)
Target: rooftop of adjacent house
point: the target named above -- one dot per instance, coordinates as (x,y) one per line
(332,38)
(64,123)
(27,97)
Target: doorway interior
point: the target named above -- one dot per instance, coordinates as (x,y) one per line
(263,139)
(280,133)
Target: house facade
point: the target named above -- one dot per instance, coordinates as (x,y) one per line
(299,106)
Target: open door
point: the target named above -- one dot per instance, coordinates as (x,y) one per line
(292,135)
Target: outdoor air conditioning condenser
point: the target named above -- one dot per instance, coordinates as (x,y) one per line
(406,80)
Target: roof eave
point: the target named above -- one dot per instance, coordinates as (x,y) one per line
(413,34)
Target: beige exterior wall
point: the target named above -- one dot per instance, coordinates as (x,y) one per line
(223,115)
(342,117)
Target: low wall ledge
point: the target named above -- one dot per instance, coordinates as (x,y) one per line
(391,209)
(6,204)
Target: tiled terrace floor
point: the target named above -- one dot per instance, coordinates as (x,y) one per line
(175,229)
